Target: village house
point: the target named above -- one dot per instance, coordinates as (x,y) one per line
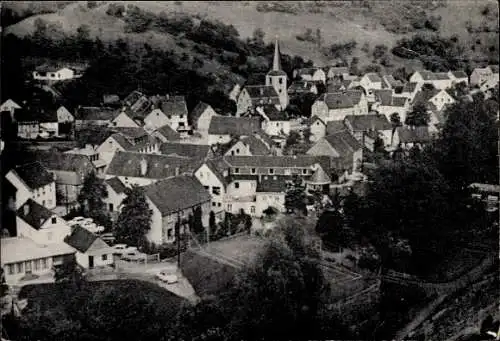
(171,110)
(93,155)
(33,181)
(317,127)
(10,106)
(388,104)
(94,116)
(256,144)
(253,95)
(341,72)
(434,99)
(390,82)
(271,192)
(440,80)
(91,250)
(241,194)
(343,150)
(130,140)
(143,169)
(410,90)
(58,72)
(276,122)
(116,194)
(125,119)
(223,128)
(201,116)
(40,224)
(194,151)
(22,259)
(480,75)
(413,136)
(172,201)
(166,133)
(359,125)
(371,81)
(487,87)
(236,89)
(212,175)
(310,74)
(338,105)
(300,87)
(70,171)
(337,85)
(458,77)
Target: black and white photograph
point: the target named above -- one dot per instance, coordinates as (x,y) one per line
(249,170)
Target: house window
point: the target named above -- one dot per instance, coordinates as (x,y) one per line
(44,263)
(214,204)
(207,188)
(237,150)
(170,233)
(11,269)
(287,171)
(253,170)
(236,185)
(252,209)
(229,207)
(281,81)
(304,171)
(219,204)
(111,208)
(104,257)
(20,267)
(43,191)
(53,220)
(236,171)
(37,264)
(232,152)
(43,202)
(271,171)
(216,190)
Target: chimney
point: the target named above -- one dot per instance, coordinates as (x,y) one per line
(26,208)
(177,171)
(144,167)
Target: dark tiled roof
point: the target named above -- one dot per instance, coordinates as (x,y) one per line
(428,75)
(335,126)
(131,132)
(168,133)
(383,96)
(423,96)
(414,135)
(343,142)
(392,81)
(198,151)
(300,86)
(399,101)
(267,161)
(116,185)
(80,239)
(313,119)
(37,214)
(34,175)
(261,91)
(198,110)
(410,87)
(62,161)
(256,145)
(226,125)
(128,164)
(175,105)
(441,76)
(133,97)
(341,100)
(256,79)
(368,122)
(373,77)
(218,167)
(271,185)
(274,114)
(96,113)
(176,194)
(459,74)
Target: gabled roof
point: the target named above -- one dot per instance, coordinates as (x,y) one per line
(62,161)
(441,75)
(274,114)
(11,103)
(383,96)
(34,214)
(410,87)
(494,68)
(174,106)
(319,178)
(131,132)
(313,119)
(335,126)
(197,151)
(414,135)
(198,110)
(20,249)
(256,145)
(176,194)
(81,239)
(427,75)
(369,122)
(301,86)
(130,144)
(96,113)
(133,97)
(261,91)
(271,161)
(227,125)
(341,100)
(343,142)
(128,164)
(116,185)
(373,77)
(168,133)
(34,175)
(459,74)
(423,96)
(218,166)
(393,82)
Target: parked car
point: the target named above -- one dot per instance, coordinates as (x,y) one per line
(134,256)
(167,277)
(121,249)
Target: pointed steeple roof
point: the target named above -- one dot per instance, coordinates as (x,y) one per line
(319,177)
(276,70)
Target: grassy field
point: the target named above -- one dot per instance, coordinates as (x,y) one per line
(242,249)
(337,23)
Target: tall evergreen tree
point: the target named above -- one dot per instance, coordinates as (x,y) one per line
(134,220)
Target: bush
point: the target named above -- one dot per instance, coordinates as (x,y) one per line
(91,4)
(115,10)
(277,6)
(137,20)
(433,23)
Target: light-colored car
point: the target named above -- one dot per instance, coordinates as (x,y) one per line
(167,277)
(121,249)
(134,256)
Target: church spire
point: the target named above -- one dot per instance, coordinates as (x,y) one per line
(277,56)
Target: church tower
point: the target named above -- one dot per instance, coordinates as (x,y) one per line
(278,78)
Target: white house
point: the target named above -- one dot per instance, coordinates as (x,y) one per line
(223,128)
(310,74)
(458,77)
(441,99)
(241,194)
(128,139)
(40,224)
(124,119)
(172,201)
(270,193)
(91,251)
(434,99)
(317,127)
(171,110)
(480,75)
(410,90)
(22,259)
(337,71)
(10,106)
(201,116)
(33,181)
(358,125)
(212,175)
(251,145)
(53,73)
(440,80)
(388,104)
(116,195)
(276,122)
(338,105)
(371,81)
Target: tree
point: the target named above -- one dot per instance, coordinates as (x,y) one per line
(134,220)
(295,197)
(378,145)
(306,133)
(418,116)
(197,221)
(258,36)
(91,198)
(379,51)
(69,272)
(395,120)
(212,223)
(293,138)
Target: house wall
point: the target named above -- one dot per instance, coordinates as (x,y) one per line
(208,179)
(369,85)
(15,271)
(155,234)
(275,128)
(123,120)
(276,170)
(387,111)
(156,119)
(279,84)
(244,102)
(45,196)
(441,99)
(114,199)
(479,76)
(235,207)
(442,83)
(50,127)
(386,136)
(63,115)
(108,148)
(318,131)
(264,200)
(322,147)
(246,188)
(215,138)
(102,254)
(62,74)
(235,91)
(49,233)
(239,149)
(28,130)
(204,120)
